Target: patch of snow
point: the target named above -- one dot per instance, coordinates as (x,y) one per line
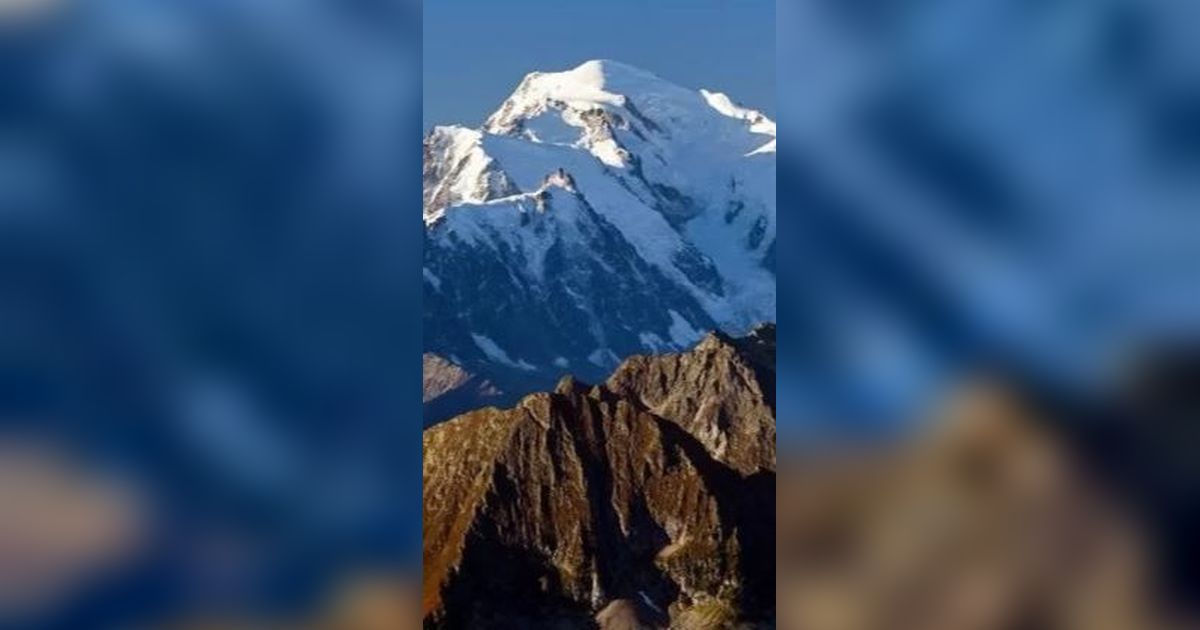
(648,602)
(766,148)
(609,152)
(432,279)
(682,332)
(721,102)
(496,353)
(604,357)
(652,341)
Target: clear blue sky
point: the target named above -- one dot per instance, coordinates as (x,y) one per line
(476,51)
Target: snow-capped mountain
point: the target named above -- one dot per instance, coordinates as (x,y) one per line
(599,212)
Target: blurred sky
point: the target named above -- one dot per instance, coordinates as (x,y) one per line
(476,51)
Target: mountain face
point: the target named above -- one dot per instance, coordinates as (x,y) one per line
(645,501)
(448,390)
(598,213)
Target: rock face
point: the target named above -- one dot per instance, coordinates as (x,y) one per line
(733,415)
(644,501)
(601,212)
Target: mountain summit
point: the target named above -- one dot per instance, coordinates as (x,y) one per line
(556,107)
(600,212)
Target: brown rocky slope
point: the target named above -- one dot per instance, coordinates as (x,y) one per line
(646,501)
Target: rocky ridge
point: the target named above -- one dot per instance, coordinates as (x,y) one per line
(639,502)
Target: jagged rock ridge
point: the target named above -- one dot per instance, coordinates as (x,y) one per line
(594,504)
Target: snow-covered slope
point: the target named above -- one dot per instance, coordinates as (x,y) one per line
(599,212)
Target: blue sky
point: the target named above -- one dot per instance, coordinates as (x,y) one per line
(476,51)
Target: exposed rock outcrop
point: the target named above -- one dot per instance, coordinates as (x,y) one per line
(644,500)
(722,392)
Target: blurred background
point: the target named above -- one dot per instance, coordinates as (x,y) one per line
(209,295)
(209,349)
(988,314)
(988,182)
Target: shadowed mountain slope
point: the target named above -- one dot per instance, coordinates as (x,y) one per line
(649,497)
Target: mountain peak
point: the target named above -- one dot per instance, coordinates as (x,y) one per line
(597,74)
(597,84)
(602,72)
(610,106)
(607,212)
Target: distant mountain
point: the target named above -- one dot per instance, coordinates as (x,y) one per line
(448,390)
(643,501)
(598,213)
